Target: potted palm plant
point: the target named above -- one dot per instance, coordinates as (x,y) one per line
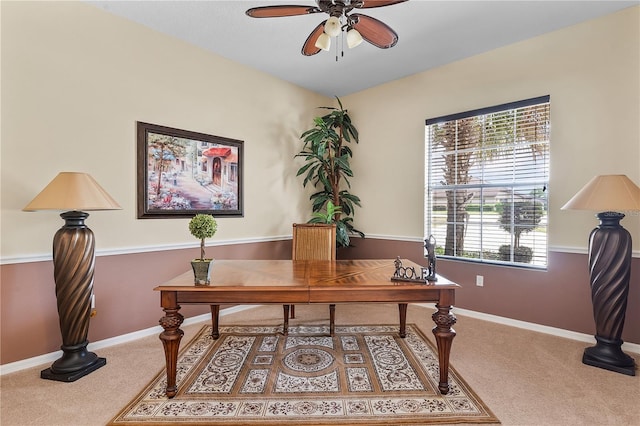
(326,154)
(202,226)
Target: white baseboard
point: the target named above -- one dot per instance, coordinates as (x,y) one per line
(581,337)
(125,338)
(50,357)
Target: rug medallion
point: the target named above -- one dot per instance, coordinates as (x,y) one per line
(364,375)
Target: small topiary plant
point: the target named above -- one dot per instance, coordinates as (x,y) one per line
(203,226)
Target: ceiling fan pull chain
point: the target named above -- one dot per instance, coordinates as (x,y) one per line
(341,41)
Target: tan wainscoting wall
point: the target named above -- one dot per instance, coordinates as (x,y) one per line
(126,302)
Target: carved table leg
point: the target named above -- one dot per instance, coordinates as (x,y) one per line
(332,320)
(285,328)
(402,307)
(215,315)
(171,337)
(444,319)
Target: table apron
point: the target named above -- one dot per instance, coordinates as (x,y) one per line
(335,295)
(444,297)
(284,296)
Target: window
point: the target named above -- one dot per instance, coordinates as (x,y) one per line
(486,176)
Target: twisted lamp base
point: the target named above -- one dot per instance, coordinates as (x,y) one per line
(610,271)
(73,269)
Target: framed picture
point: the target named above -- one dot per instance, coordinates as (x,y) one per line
(182,173)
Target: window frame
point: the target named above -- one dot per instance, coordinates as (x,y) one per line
(531,209)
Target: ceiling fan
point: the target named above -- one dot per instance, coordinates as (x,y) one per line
(358,27)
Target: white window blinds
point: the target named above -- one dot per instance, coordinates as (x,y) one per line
(486,175)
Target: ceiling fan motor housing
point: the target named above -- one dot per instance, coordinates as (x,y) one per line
(338,8)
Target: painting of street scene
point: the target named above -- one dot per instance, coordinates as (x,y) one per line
(188,173)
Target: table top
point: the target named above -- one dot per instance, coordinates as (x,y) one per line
(298,274)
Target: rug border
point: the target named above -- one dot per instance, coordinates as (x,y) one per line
(491,419)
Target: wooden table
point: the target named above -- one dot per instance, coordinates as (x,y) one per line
(301,282)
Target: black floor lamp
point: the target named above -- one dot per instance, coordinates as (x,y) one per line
(609,266)
(73,268)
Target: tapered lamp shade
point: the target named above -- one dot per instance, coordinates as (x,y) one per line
(609,266)
(73,191)
(606,193)
(73,268)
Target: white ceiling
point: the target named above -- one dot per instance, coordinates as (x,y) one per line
(431,34)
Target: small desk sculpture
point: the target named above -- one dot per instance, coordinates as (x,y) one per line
(431,257)
(407,273)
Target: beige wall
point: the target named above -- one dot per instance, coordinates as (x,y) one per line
(591,71)
(75,80)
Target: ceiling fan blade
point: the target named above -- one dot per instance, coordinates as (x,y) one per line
(368,4)
(281,10)
(309,47)
(375,32)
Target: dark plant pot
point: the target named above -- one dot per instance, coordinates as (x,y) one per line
(201,271)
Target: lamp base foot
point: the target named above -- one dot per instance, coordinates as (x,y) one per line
(607,354)
(73,375)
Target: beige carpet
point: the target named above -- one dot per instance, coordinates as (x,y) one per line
(253,375)
(525,377)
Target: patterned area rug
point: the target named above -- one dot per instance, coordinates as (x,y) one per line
(364,375)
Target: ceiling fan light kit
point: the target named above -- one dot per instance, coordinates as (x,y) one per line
(358,27)
(354,38)
(332,27)
(323,42)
